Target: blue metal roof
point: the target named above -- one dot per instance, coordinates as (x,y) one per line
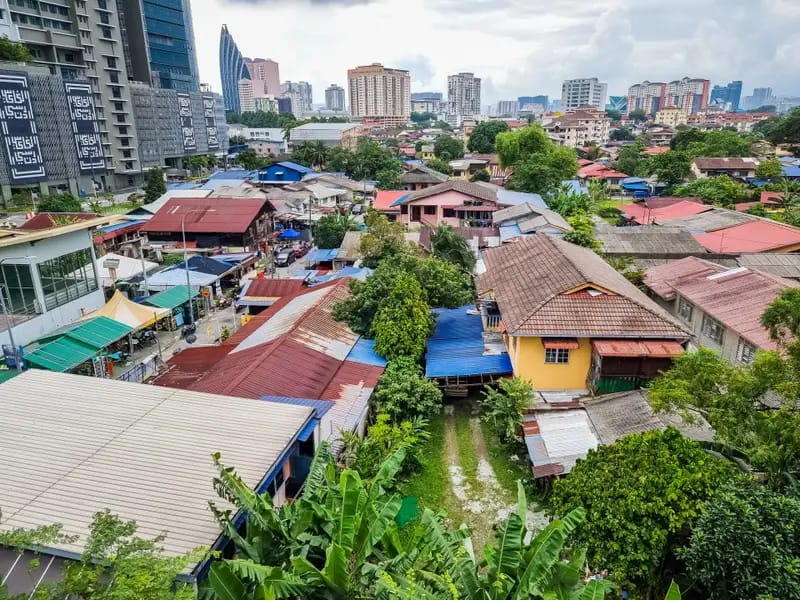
(509,231)
(456,347)
(364,352)
(791,171)
(510,198)
(123,225)
(235,258)
(240,174)
(295,167)
(220,182)
(360,273)
(302,273)
(575,186)
(400,200)
(182,186)
(322,255)
(320,406)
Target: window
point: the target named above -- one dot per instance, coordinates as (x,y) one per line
(111,62)
(17,289)
(429,210)
(713,329)
(556,356)
(113,78)
(67,278)
(685,309)
(102,4)
(745,352)
(126,154)
(105,32)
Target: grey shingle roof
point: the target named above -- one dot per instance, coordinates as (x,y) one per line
(652,241)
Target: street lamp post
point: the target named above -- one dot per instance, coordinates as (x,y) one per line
(6,315)
(186,264)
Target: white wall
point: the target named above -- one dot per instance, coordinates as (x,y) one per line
(43,250)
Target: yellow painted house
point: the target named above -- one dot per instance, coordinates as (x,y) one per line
(570,321)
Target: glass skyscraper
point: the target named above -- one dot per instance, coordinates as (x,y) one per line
(731,93)
(170,41)
(231,69)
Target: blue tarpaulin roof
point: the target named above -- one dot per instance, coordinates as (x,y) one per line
(791,171)
(456,347)
(360,273)
(240,174)
(182,186)
(302,273)
(400,200)
(214,184)
(320,406)
(364,352)
(290,234)
(322,255)
(123,225)
(575,186)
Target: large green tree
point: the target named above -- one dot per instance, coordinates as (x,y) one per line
(516,146)
(746,545)
(437,164)
(311,154)
(15,51)
(251,160)
(696,143)
(622,134)
(483,136)
(154,185)
(405,394)
(448,245)
(671,168)
(383,239)
(721,190)
(403,321)
(504,406)
(329,231)
(641,494)
(769,168)
(60,203)
(543,172)
(781,130)
(448,148)
(630,159)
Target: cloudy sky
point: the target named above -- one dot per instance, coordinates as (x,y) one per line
(518,47)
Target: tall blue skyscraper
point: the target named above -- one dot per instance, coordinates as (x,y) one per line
(170,41)
(731,93)
(543,100)
(231,69)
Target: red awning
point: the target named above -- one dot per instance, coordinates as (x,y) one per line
(638,348)
(561,344)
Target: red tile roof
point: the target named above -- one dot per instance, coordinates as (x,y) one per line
(657,150)
(644,215)
(214,215)
(273,288)
(753,236)
(724,163)
(600,171)
(384,199)
(773,198)
(45,220)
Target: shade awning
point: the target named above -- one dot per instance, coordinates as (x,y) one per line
(61,355)
(638,348)
(134,315)
(172,298)
(561,344)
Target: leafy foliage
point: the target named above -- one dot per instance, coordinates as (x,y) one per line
(483,136)
(769,168)
(251,160)
(746,545)
(781,130)
(437,164)
(640,493)
(403,321)
(516,146)
(582,233)
(671,167)
(448,245)
(383,239)
(448,148)
(630,160)
(543,172)
(58,203)
(696,143)
(15,51)
(504,407)
(261,118)
(482,175)
(368,161)
(720,190)
(311,154)
(567,202)
(405,394)
(329,231)
(637,114)
(622,134)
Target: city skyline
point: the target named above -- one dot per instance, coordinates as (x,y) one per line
(610,40)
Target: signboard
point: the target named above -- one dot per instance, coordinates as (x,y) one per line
(209,114)
(18,128)
(187,122)
(85,129)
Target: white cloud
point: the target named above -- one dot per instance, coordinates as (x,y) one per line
(519,47)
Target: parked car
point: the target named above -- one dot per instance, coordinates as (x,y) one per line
(357,209)
(301,250)
(284,258)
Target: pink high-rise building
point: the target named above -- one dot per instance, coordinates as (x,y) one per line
(266,70)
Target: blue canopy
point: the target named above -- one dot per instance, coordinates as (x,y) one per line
(290,234)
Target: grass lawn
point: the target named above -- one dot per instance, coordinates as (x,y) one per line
(432,483)
(119,209)
(467,455)
(507,470)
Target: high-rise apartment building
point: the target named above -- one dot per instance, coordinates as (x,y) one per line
(334,97)
(730,94)
(507,108)
(647,96)
(380,94)
(576,93)
(266,70)
(301,95)
(426,96)
(689,94)
(231,69)
(463,95)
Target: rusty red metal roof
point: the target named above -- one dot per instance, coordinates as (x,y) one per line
(206,215)
(273,288)
(638,348)
(754,236)
(187,366)
(47,220)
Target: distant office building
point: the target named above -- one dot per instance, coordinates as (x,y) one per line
(527,101)
(576,93)
(555,105)
(578,128)
(648,96)
(619,103)
(463,95)
(689,94)
(729,95)
(301,94)
(760,97)
(267,71)
(334,97)
(672,116)
(232,69)
(426,106)
(427,96)
(330,134)
(170,41)
(284,104)
(253,97)
(8,28)
(380,94)
(507,108)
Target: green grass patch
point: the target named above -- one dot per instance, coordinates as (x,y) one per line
(431,483)
(506,469)
(119,209)
(467,455)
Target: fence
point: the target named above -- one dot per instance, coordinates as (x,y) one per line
(143,371)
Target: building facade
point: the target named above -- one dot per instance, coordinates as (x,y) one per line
(672,116)
(540,100)
(578,128)
(334,97)
(380,94)
(729,95)
(267,71)
(232,69)
(330,134)
(170,42)
(619,103)
(690,94)
(507,108)
(301,96)
(463,95)
(648,96)
(576,93)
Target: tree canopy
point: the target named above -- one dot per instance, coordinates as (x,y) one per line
(448,148)
(769,168)
(368,161)
(403,321)
(383,239)
(696,143)
(781,129)
(251,160)
(154,185)
(311,154)
(405,394)
(262,119)
(538,164)
(671,167)
(448,245)
(721,190)
(329,231)
(437,164)
(483,136)
(640,494)
(15,51)
(60,203)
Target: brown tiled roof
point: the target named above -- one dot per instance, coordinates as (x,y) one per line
(457,185)
(726,163)
(661,279)
(539,283)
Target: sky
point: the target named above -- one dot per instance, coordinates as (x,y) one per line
(518,47)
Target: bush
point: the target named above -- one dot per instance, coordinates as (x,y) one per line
(404,393)
(59,203)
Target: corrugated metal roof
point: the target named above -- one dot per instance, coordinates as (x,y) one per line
(320,406)
(755,236)
(240,174)
(321,255)
(638,348)
(186,367)
(563,437)
(6,374)
(60,355)
(364,352)
(271,289)
(76,445)
(206,215)
(176,276)
(172,297)
(100,332)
